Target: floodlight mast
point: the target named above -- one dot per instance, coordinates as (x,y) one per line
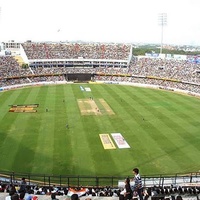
(162,21)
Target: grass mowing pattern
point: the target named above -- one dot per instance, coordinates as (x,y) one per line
(162,128)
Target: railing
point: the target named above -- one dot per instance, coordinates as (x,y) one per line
(190,179)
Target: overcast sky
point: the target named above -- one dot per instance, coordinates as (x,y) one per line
(100,20)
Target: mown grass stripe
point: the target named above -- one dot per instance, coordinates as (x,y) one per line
(15,130)
(80,145)
(182,121)
(162,142)
(45,141)
(155,133)
(60,139)
(181,132)
(140,137)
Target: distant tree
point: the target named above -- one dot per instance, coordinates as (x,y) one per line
(146,49)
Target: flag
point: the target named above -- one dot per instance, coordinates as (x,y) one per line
(80,192)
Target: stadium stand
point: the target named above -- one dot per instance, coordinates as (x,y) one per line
(53,62)
(75,51)
(106,62)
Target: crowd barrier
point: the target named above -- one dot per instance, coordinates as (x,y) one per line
(151,86)
(176,180)
(104,82)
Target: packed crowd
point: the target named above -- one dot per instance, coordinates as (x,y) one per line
(27,192)
(9,67)
(177,74)
(172,74)
(61,70)
(24,191)
(168,69)
(163,84)
(75,51)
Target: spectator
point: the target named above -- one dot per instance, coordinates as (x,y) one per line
(11,192)
(127,193)
(53,196)
(23,185)
(74,197)
(138,188)
(21,196)
(29,195)
(15,197)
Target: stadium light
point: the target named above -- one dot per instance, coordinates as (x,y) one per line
(162,21)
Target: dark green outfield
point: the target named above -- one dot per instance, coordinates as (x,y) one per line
(167,141)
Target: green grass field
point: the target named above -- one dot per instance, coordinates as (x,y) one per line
(167,141)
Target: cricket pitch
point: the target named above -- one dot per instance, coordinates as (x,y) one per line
(90,107)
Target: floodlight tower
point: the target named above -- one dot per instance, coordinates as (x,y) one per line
(162,21)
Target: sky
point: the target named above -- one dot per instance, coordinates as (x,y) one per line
(119,21)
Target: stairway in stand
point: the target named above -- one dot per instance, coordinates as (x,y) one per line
(20,60)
